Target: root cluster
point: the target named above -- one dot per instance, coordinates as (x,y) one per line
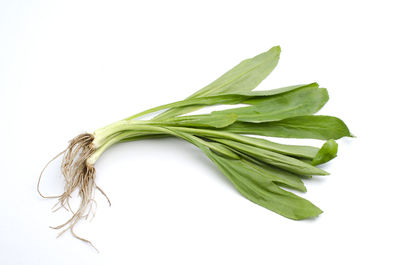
(80,176)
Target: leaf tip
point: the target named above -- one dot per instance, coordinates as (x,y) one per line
(315,213)
(277,48)
(312,213)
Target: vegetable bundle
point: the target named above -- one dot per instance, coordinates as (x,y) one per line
(258,168)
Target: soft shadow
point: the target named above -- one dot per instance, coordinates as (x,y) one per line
(311,220)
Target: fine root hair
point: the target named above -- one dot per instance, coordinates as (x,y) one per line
(80,176)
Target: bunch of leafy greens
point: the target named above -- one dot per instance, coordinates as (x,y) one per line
(257,167)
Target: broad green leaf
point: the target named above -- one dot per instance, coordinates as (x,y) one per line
(285,178)
(302,101)
(279,176)
(243,77)
(228,99)
(291,150)
(308,152)
(262,190)
(274,174)
(327,152)
(310,127)
(272,158)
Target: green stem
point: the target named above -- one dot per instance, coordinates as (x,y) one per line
(194,102)
(108,143)
(117,132)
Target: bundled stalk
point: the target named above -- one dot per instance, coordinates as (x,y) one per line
(257,167)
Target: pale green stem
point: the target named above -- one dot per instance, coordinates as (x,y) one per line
(149,111)
(118,131)
(111,140)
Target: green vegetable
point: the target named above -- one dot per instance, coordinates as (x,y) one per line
(257,167)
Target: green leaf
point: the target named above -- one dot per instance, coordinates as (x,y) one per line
(308,152)
(284,178)
(302,101)
(221,150)
(279,176)
(310,127)
(228,99)
(243,77)
(276,91)
(291,150)
(327,152)
(261,189)
(272,158)
(275,174)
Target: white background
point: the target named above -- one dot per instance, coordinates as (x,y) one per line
(72,66)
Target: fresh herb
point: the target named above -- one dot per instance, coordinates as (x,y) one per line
(258,168)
